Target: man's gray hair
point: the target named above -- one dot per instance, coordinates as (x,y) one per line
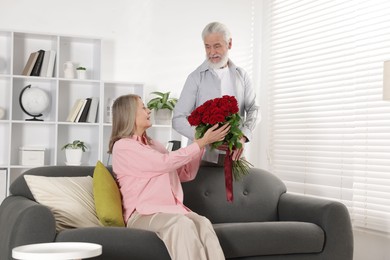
(216,27)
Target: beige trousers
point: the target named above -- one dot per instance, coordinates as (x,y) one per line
(187,237)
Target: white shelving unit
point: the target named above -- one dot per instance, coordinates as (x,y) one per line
(54,131)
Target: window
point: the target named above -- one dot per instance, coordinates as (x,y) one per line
(329,129)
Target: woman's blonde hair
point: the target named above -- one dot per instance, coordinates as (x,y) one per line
(124,111)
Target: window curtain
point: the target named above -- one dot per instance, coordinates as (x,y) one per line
(329,129)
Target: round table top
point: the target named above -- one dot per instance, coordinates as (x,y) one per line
(57,250)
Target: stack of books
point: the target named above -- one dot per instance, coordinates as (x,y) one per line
(84,110)
(40,64)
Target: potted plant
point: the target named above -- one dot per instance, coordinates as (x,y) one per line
(81,72)
(162,107)
(74,152)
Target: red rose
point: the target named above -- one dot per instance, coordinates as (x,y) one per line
(216,118)
(194,119)
(214,111)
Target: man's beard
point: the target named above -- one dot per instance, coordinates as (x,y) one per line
(220,64)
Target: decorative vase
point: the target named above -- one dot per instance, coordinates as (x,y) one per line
(73,156)
(163,117)
(68,70)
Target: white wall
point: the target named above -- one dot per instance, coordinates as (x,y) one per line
(156,42)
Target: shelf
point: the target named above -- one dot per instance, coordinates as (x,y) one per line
(54,131)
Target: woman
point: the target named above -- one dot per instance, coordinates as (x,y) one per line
(150,182)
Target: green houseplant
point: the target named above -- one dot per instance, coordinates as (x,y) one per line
(81,72)
(74,152)
(163,101)
(162,105)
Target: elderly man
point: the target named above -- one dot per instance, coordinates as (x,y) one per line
(215,77)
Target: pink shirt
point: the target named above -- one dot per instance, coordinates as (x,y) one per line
(150,177)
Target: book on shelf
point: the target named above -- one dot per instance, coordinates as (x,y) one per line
(75,110)
(173,145)
(52,62)
(38,64)
(30,64)
(84,113)
(169,146)
(45,63)
(93,110)
(48,64)
(84,102)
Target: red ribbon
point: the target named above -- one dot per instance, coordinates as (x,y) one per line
(228,166)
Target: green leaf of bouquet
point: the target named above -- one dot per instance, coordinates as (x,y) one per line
(216,144)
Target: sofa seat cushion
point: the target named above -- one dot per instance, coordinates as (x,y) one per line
(269,238)
(119,243)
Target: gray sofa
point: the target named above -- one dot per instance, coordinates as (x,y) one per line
(263,221)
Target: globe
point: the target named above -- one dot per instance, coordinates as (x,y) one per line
(33,102)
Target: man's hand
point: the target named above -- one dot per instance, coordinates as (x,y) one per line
(238,152)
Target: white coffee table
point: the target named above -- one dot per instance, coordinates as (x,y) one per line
(57,251)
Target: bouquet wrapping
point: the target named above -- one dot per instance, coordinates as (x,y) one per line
(221,111)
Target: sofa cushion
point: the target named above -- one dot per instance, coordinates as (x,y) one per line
(119,243)
(19,186)
(269,238)
(108,201)
(69,198)
(256,196)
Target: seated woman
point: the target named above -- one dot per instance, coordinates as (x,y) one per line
(150,179)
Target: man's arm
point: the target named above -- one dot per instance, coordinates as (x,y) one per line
(252,110)
(183,108)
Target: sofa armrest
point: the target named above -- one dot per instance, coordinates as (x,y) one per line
(332,216)
(23,221)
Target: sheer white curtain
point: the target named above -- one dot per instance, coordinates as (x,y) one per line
(329,130)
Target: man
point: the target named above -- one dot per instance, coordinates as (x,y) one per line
(215,77)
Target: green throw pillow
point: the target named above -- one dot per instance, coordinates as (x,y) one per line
(107,197)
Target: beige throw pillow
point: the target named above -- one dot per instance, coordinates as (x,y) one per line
(69,198)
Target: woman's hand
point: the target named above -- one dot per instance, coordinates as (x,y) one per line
(213,135)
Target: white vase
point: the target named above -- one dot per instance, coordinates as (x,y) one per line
(68,70)
(73,156)
(163,117)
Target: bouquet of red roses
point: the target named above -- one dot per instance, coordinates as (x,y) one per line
(221,111)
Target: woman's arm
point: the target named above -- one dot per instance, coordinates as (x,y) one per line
(144,161)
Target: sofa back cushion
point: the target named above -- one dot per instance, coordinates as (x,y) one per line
(19,186)
(70,199)
(256,196)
